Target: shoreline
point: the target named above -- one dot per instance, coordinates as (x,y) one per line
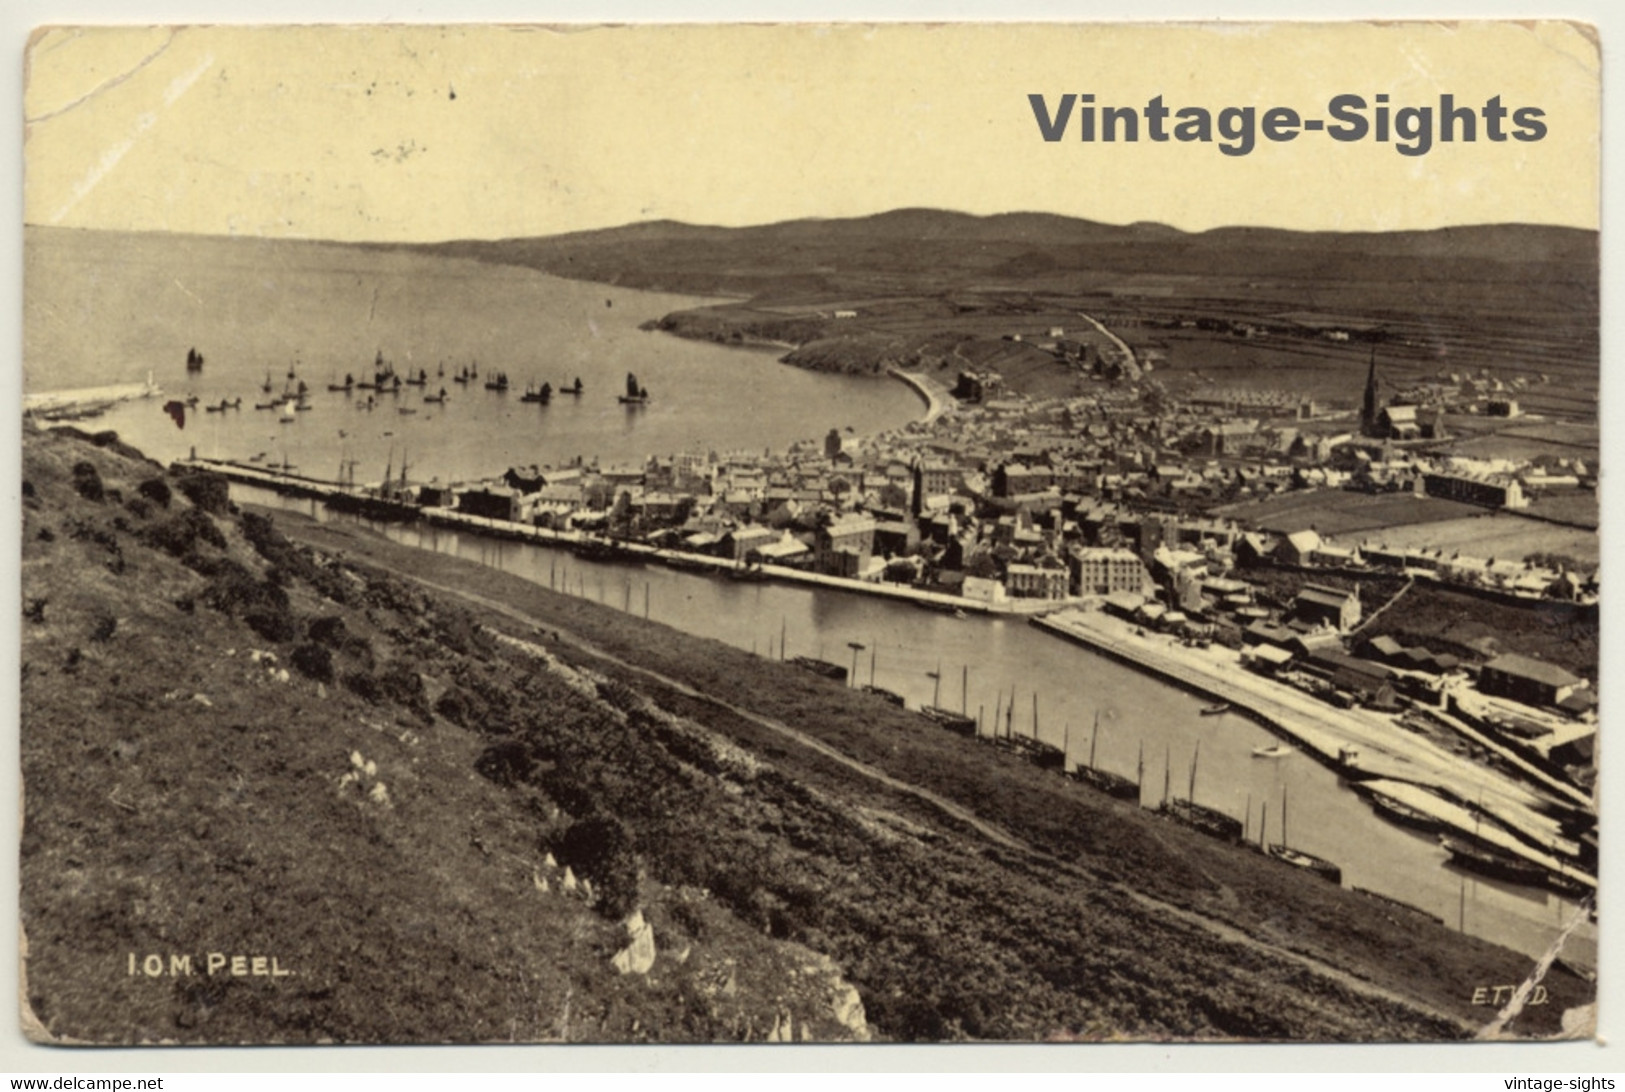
(1276,713)
(936,402)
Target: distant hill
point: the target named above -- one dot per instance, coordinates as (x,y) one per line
(929,248)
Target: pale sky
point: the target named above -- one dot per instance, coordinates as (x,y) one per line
(423,133)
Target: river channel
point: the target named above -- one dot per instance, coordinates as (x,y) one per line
(977,663)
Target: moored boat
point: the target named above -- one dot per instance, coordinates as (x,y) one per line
(1109,783)
(1274,750)
(1321,867)
(1399,812)
(1216,710)
(835,672)
(1213,823)
(1492,863)
(947,718)
(890,696)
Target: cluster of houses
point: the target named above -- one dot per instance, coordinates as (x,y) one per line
(1095,497)
(1047,501)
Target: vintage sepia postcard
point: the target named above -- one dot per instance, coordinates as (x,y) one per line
(810,533)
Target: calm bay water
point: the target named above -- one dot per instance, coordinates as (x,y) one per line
(111,308)
(982,661)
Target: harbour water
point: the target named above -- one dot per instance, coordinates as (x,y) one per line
(980,662)
(258,310)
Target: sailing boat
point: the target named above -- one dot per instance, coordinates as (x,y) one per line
(1321,867)
(635,395)
(1206,820)
(1109,783)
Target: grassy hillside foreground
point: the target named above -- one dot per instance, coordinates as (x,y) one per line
(388,807)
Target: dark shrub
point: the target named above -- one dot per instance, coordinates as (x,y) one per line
(403,685)
(507,763)
(179,535)
(365,685)
(205,489)
(106,625)
(35,610)
(87,481)
(232,589)
(314,662)
(139,507)
(156,490)
(272,624)
(459,707)
(328,630)
(600,848)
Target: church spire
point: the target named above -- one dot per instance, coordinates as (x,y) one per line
(1368,409)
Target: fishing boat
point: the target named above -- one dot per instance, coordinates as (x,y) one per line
(1321,867)
(225,404)
(1216,710)
(1215,824)
(194,361)
(890,696)
(576,388)
(498,382)
(957,723)
(1107,782)
(1396,811)
(835,672)
(1046,756)
(1297,858)
(597,549)
(1489,862)
(1568,886)
(422,379)
(441,397)
(1274,750)
(1205,820)
(347,386)
(266,386)
(635,395)
(542,394)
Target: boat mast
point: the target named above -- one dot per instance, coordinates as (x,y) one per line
(1094,734)
(1195,757)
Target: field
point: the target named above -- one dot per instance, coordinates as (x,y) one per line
(1339,512)
(1489,535)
